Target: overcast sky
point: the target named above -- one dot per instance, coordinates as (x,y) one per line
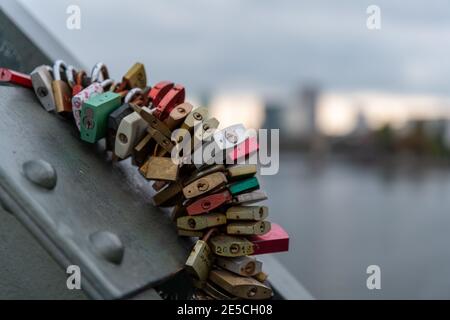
(263,45)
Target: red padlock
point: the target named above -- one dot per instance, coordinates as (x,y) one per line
(78,87)
(208,203)
(276,240)
(14,77)
(243,150)
(159,91)
(173,98)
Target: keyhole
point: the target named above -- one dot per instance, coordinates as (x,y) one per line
(202,186)
(250,268)
(261,212)
(252,292)
(42,92)
(123,138)
(197,116)
(191,223)
(206,204)
(234,248)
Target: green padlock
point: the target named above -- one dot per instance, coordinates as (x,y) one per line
(242,186)
(94,115)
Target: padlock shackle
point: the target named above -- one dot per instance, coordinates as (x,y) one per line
(210,233)
(106,83)
(80,76)
(71,74)
(59,64)
(132,94)
(99,68)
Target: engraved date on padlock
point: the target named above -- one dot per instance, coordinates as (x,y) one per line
(229,246)
(201,222)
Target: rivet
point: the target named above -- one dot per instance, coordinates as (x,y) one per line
(108,246)
(41,173)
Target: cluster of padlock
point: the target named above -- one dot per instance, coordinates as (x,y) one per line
(214,202)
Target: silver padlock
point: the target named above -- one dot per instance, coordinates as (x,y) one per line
(98,70)
(130,131)
(42,78)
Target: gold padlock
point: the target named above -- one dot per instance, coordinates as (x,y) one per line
(136,76)
(229,246)
(161,139)
(167,197)
(241,171)
(160,168)
(216,292)
(244,266)
(204,184)
(242,287)
(178,115)
(201,222)
(200,259)
(154,122)
(61,90)
(196,117)
(254,213)
(248,228)
(190,233)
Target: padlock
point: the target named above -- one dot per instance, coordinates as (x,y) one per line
(216,292)
(190,233)
(276,240)
(114,120)
(251,197)
(241,171)
(252,213)
(142,149)
(71,75)
(174,97)
(203,173)
(209,203)
(78,86)
(84,95)
(42,79)
(204,184)
(161,168)
(200,260)
(179,210)
(245,185)
(94,115)
(242,287)
(130,132)
(178,115)
(261,276)
(169,195)
(202,134)
(201,222)
(200,295)
(161,139)
(244,266)
(99,72)
(196,117)
(158,185)
(231,246)
(14,77)
(243,150)
(158,92)
(61,90)
(136,76)
(154,122)
(229,137)
(248,228)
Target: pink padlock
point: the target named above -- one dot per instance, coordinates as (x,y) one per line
(88,92)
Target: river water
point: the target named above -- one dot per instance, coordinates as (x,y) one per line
(343,217)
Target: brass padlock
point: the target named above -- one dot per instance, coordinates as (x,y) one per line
(248,228)
(61,90)
(167,196)
(200,260)
(136,76)
(197,116)
(190,233)
(154,122)
(142,149)
(229,246)
(204,172)
(242,287)
(161,168)
(161,139)
(204,185)
(244,266)
(201,222)
(241,171)
(178,115)
(254,213)
(216,292)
